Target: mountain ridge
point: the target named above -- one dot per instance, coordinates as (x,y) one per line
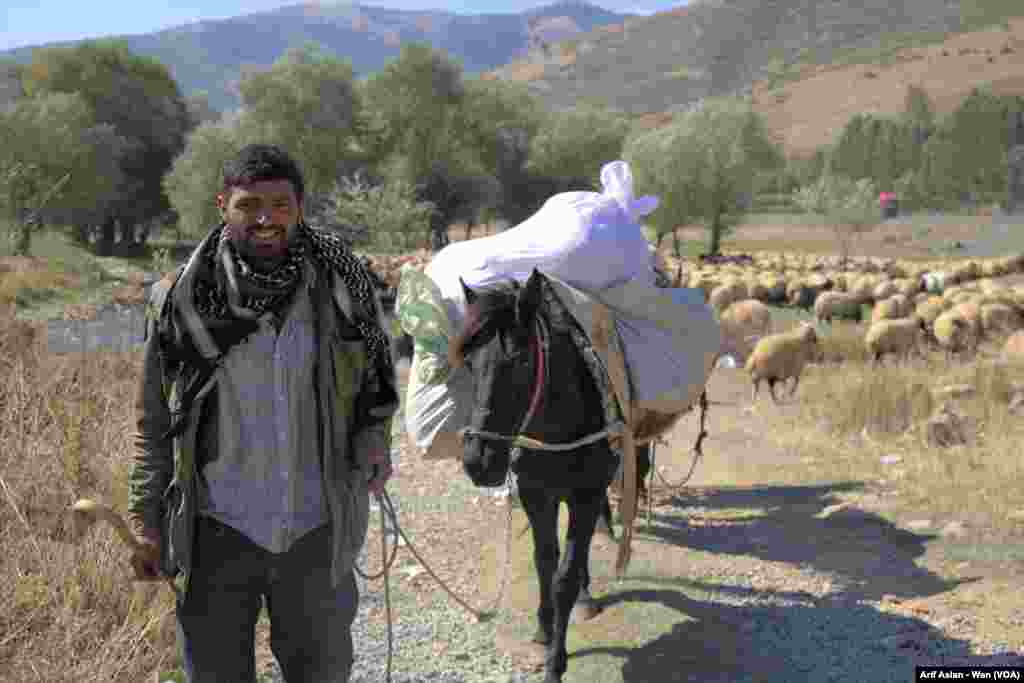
(213,55)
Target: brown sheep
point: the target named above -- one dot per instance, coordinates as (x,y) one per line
(781,356)
(840,305)
(897,336)
(727,294)
(999,318)
(743,324)
(954,333)
(896,306)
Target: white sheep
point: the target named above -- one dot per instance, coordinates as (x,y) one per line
(727,294)
(779,357)
(898,336)
(953,332)
(840,305)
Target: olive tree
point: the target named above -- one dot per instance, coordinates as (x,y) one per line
(849,206)
(702,167)
(139,98)
(195,176)
(577,142)
(306,103)
(386,214)
(55,161)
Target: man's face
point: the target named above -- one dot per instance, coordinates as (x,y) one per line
(261,219)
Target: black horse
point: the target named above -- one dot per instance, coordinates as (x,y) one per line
(532,380)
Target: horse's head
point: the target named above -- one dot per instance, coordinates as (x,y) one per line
(500,344)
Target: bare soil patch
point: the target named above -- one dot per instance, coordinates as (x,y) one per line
(909,239)
(748,541)
(810,112)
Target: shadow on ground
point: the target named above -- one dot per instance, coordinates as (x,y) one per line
(754,584)
(768,636)
(867,555)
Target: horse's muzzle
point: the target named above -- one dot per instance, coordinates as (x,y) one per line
(485,462)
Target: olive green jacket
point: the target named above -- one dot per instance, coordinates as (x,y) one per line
(164,474)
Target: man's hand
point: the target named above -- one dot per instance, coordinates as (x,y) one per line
(381,470)
(146,558)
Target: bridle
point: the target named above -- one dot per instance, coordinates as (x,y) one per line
(540,341)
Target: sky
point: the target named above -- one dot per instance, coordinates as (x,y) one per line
(33,22)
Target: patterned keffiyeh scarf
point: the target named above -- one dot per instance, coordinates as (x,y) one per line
(226,288)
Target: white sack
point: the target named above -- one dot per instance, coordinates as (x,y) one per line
(592,248)
(670,337)
(590,240)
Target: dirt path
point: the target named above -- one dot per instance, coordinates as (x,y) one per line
(742,578)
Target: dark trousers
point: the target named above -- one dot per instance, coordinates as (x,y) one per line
(310,622)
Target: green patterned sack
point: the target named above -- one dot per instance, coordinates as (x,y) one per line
(437,399)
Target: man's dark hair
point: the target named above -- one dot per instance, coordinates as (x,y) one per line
(262,162)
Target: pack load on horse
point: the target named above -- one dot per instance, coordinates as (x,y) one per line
(570,291)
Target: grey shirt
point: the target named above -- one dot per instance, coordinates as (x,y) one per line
(265,478)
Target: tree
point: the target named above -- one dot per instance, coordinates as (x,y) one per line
(939,175)
(199,109)
(804,170)
(578,142)
(495,124)
(911,191)
(702,166)
(139,98)
(497,121)
(55,161)
(850,207)
(652,157)
(416,98)
(385,215)
(850,155)
(306,103)
(917,107)
(195,176)
(979,128)
(11,88)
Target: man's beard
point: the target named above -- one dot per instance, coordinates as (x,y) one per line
(262,255)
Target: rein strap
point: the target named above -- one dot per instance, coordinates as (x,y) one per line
(540,343)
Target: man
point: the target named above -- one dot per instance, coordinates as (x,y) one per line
(264,420)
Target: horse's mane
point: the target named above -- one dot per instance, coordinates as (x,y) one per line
(492,302)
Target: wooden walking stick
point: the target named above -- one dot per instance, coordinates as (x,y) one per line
(85,513)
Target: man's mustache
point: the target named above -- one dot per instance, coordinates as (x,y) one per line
(256,227)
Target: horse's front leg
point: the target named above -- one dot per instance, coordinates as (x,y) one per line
(586,606)
(542,510)
(584,508)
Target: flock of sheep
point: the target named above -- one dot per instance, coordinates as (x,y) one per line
(949,305)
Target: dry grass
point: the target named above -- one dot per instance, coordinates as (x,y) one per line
(68,613)
(72,613)
(26,279)
(851,413)
(819,104)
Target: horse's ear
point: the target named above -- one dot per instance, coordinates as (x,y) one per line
(529,298)
(467,292)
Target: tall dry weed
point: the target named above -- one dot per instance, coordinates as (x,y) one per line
(67,612)
(866,422)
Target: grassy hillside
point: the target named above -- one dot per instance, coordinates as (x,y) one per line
(811,107)
(672,59)
(808,65)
